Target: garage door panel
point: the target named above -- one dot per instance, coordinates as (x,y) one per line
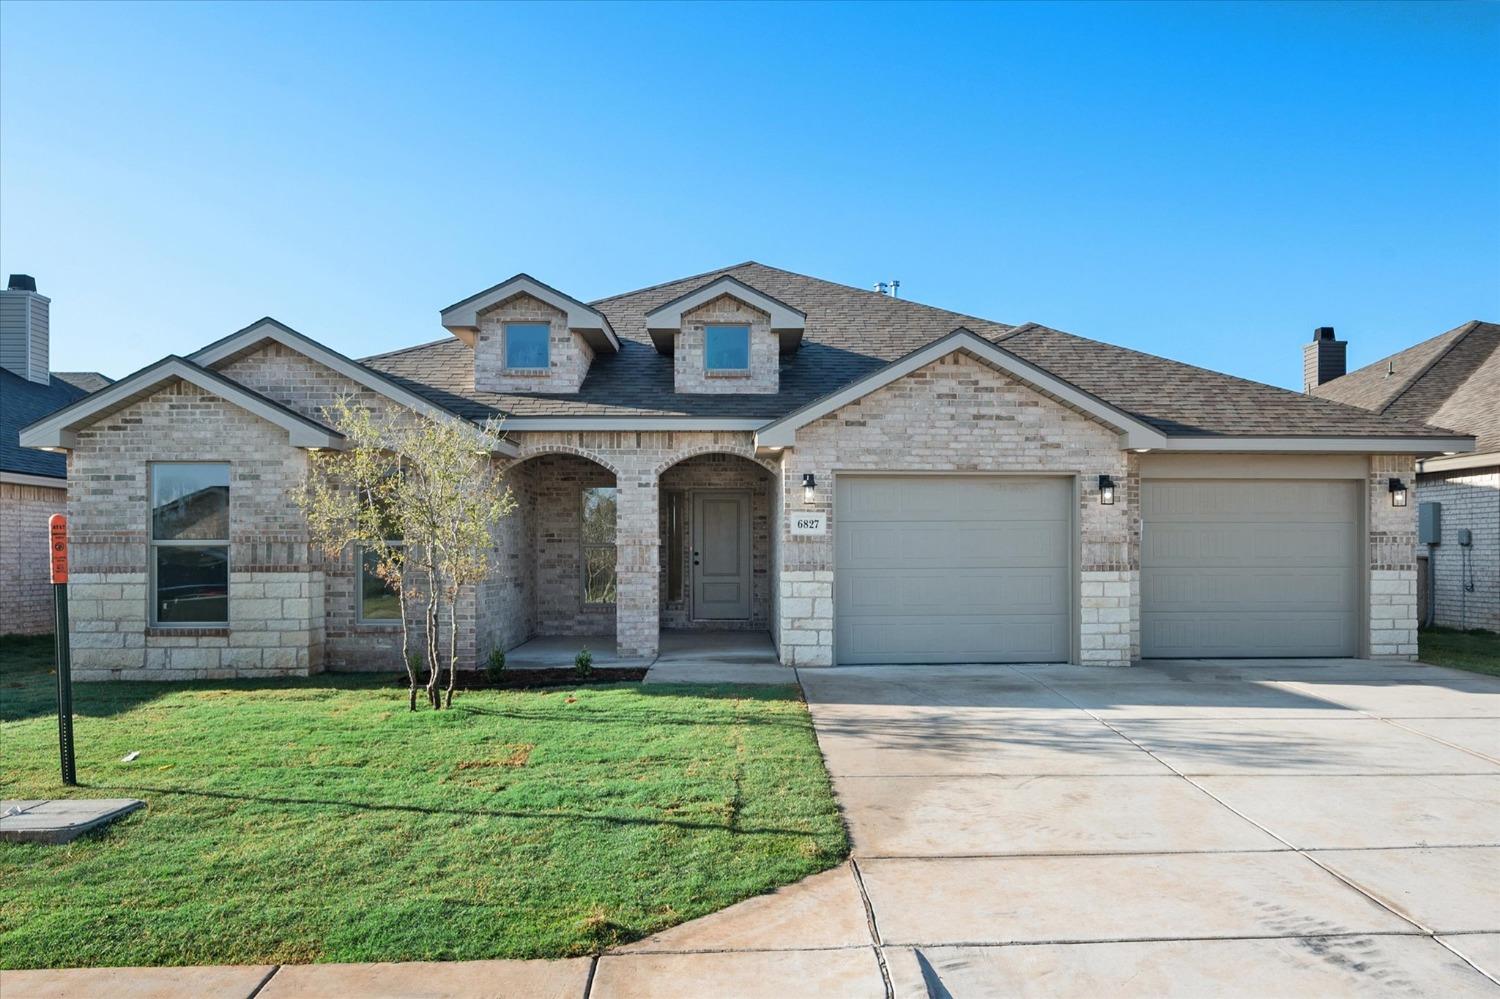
(934,569)
(1257,544)
(958,544)
(924,639)
(1250,568)
(1191,591)
(1213,636)
(942,592)
(941,498)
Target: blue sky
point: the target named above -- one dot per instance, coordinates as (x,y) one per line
(1208,182)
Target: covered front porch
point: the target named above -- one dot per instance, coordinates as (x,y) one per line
(683,656)
(590,559)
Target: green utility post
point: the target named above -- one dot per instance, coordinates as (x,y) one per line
(57,528)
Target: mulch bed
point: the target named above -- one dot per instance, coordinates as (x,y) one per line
(529,679)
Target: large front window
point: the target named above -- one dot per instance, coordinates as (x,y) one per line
(379,603)
(526,346)
(190,543)
(599,545)
(726,348)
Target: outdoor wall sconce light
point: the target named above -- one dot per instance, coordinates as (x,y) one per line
(809,484)
(1106,490)
(1398,492)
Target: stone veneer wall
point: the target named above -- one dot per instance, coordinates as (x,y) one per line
(1470,498)
(275,592)
(558,481)
(569,354)
(637,459)
(25,586)
(688,374)
(959,414)
(1392,559)
(711,472)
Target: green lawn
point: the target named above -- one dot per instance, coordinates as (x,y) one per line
(1477,651)
(319,820)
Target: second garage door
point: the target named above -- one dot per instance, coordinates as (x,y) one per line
(952,569)
(1249,568)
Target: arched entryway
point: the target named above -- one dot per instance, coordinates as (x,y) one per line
(555,587)
(716,583)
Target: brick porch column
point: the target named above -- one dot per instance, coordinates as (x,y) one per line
(638,565)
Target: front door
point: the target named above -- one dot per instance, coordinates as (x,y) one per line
(721,556)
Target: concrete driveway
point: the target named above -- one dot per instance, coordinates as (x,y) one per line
(1191,828)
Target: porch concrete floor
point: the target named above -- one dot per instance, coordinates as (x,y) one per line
(556,651)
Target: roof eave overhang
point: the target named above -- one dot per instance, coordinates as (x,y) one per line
(1457,462)
(269,329)
(1308,444)
(59,431)
(1134,433)
(462,318)
(665,321)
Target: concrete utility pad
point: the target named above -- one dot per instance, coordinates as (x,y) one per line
(431,980)
(1282,745)
(60,820)
(979,815)
(229,982)
(1128,897)
(1326,967)
(1353,812)
(1453,890)
(849,974)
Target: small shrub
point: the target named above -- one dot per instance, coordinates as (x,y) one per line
(583,663)
(495,666)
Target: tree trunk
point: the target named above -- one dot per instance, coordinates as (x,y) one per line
(434,664)
(452,646)
(411,670)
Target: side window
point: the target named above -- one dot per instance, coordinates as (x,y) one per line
(726,348)
(598,536)
(379,603)
(189,543)
(527,346)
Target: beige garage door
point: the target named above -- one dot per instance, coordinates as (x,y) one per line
(1249,568)
(952,569)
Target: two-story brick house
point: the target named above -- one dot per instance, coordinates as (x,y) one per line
(866,479)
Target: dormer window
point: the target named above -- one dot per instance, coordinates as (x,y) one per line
(527,346)
(726,349)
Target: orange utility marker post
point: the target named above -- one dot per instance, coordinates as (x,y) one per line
(57,531)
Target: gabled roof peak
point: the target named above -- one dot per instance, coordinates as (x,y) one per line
(462,317)
(665,321)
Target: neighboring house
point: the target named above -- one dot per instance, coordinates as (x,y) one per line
(1452,380)
(867,479)
(33,484)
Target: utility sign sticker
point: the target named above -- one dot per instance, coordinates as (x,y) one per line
(57,532)
(807,524)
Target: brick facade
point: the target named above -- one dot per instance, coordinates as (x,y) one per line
(569,355)
(26,592)
(1470,499)
(961,415)
(1392,560)
(708,472)
(689,375)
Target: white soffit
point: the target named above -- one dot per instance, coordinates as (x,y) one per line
(462,318)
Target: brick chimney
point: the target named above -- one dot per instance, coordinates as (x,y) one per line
(1324,359)
(23,329)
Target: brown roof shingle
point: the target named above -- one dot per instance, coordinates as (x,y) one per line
(851,333)
(1451,381)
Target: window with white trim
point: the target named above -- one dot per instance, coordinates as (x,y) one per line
(189,543)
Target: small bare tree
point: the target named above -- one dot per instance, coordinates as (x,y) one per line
(421,496)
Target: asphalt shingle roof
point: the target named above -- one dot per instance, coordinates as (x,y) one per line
(851,333)
(1451,380)
(23,401)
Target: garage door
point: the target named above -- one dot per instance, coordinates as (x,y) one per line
(1249,568)
(952,569)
